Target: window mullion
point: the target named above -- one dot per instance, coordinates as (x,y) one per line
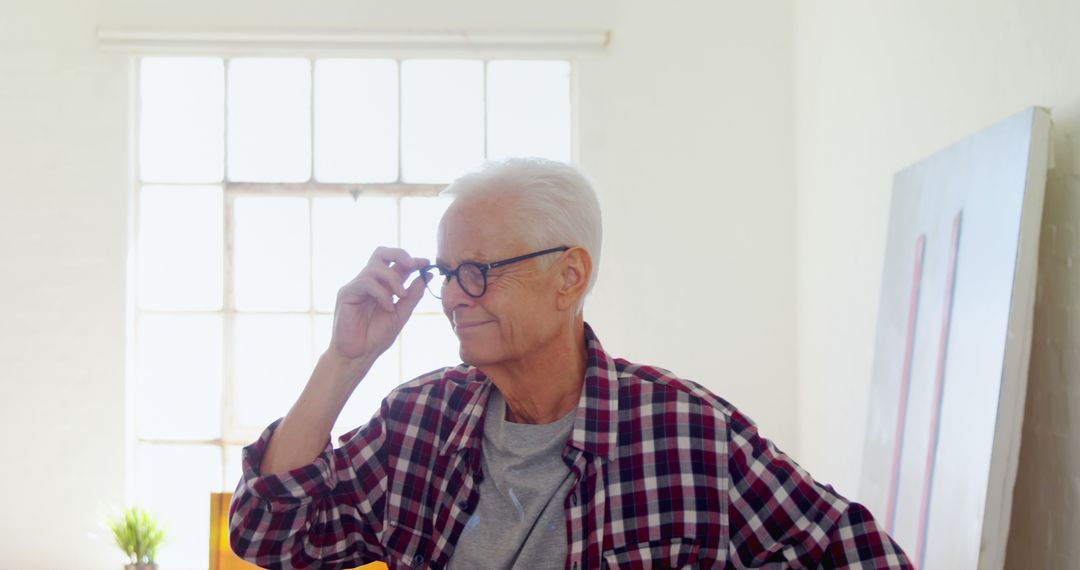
(311,276)
(484,99)
(311,120)
(226,62)
(228,404)
(400,178)
(228,302)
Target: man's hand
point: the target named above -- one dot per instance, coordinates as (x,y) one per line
(366,318)
(366,321)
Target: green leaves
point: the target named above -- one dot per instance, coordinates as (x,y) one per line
(138,534)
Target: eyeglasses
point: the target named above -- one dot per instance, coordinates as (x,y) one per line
(472,276)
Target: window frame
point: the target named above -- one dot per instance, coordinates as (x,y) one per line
(232,435)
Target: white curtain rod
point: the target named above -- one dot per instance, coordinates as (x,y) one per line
(564,43)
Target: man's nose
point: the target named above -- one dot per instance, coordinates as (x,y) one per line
(454,296)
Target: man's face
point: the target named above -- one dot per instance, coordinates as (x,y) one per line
(517,314)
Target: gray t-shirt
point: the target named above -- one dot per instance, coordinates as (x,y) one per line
(519,521)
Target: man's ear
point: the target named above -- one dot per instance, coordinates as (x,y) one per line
(576,268)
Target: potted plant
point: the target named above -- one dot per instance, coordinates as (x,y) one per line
(139,535)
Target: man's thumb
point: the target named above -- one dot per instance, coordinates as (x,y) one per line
(413,293)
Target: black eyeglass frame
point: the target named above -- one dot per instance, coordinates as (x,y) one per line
(447,273)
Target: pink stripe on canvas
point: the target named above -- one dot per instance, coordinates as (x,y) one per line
(905,384)
(939,390)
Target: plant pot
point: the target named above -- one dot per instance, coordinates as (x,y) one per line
(140,566)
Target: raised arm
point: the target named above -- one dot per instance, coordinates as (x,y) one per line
(301,502)
(366,322)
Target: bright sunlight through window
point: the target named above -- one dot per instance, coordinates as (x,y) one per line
(264,184)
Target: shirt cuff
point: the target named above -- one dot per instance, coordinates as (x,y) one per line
(293,488)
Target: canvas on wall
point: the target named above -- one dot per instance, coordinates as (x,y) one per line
(953,344)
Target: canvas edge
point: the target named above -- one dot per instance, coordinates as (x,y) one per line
(1005,451)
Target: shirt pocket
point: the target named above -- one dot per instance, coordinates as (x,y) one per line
(407,547)
(663,553)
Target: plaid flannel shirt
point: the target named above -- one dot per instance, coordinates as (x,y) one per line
(667,475)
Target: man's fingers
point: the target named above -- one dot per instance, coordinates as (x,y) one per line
(404,269)
(397,259)
(388,255)
(388,278)
(384,278)
(407,303)
(360,289)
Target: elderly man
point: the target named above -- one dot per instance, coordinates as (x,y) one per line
(540,450)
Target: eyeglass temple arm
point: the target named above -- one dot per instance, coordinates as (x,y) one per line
(523,257)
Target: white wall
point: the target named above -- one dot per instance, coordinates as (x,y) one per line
(880,86)
(687,130)
(63,209)
(685,125)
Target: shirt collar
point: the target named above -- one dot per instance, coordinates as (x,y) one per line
(595,428)
(597,420)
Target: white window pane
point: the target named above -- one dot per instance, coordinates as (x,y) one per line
(427,343)
(273,363)
(174,482)
(234,467)
(179,377)
(181,119)
(419,232)
(365,401)
(272,249)
(356,120)
(442,119)
(528,109)
(180,248)
(269,120)
(345,234)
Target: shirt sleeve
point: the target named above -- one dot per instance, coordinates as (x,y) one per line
(778,514)
(327,514)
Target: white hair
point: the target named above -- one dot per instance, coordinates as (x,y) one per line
(556,203)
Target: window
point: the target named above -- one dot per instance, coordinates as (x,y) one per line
(263,186)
